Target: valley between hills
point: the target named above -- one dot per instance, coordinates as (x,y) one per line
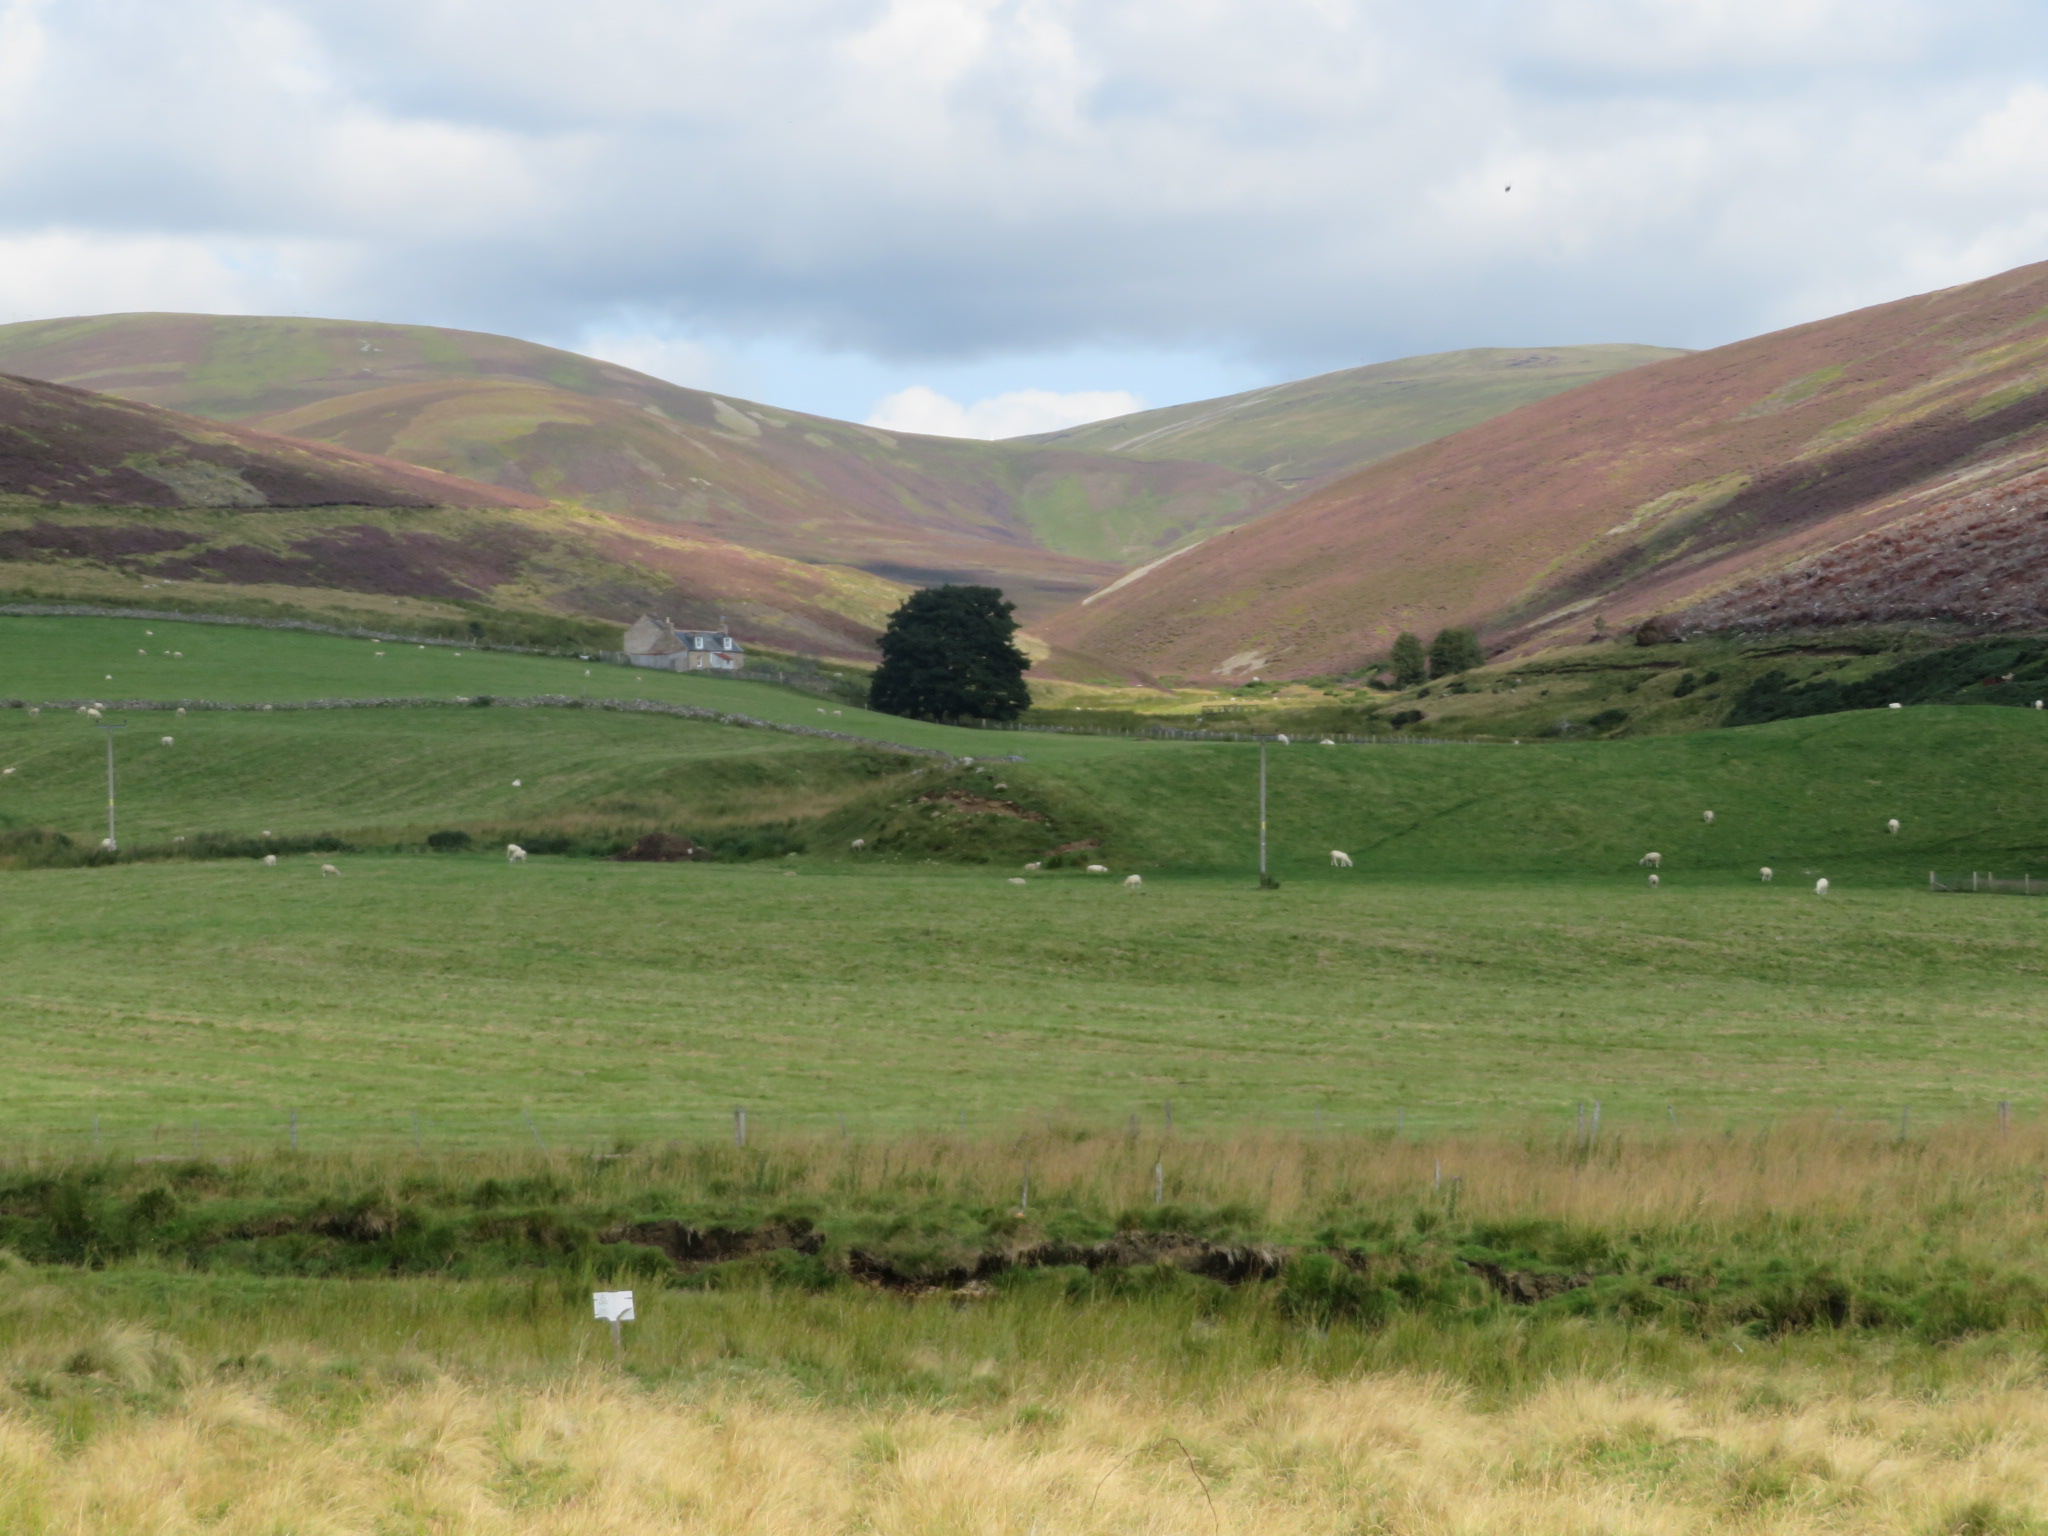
(1886,467)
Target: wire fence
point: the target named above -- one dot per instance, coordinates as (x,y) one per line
(1172,733)
(1985,883)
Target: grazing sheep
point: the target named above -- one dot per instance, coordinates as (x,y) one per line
(4,772)
(141,653)
(1339,859)
(1018,880)
(328,869)
(270,861)
(1327,742)
(1098,869)
(1892,825)
(179,654)
(1033,867)
(1134,882)
(34,711)
(1895,706)
(515,783)
(1650,861)
(1820,887)
(2037,704)
(1764,874)
(92,714)
(1707,817)
(166,740)
(266,709)
(514,854)
(1654,882)
(859,843)
(181,710)
(1283,741)
(107,843)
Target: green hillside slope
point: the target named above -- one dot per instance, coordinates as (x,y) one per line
(1799,795)
(1314,429)
(1046,523)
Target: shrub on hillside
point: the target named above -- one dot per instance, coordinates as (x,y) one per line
(1454,651)
(1409,664)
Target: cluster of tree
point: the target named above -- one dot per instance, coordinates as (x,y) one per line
(948,654)
(1451,652)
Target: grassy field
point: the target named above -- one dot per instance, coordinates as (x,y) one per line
(313,1175)
(147,1397)
(593,1000)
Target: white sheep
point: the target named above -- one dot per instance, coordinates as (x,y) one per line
(1018,880)
(1820,887)
(1654,882)
(270,861)
(141,652)
(166,740)
(514,854)
(35,711)
(2037,704)
(1339,859)
(4,772)
(1707,817)
(266,709)
(1892,825)
(1098,869)
(515,783)
(328,869)
(1327,742)
(1764,874)
(181,709)
(93,714)
(1650,861)
(1033,867)
(1134,882)
(1283,741)
(859,843)
(107,844)
(1895,706)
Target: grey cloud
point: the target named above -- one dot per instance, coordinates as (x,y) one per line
(1311,183)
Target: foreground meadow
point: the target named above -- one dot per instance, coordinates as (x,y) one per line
(1861,1351)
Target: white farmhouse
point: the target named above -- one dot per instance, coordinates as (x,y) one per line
(655,642)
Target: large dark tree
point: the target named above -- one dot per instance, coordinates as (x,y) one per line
(947,655)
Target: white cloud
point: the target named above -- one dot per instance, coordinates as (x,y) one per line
(1306,183)
(1015,413)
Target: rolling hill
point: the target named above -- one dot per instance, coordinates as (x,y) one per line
(1047,524)
(109,500)
(1706,482)
(1050,519)
(1315,429)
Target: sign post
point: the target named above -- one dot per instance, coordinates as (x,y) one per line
(614,1307)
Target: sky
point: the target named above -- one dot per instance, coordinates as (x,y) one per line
(985,217)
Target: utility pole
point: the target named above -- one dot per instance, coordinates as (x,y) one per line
(111,726)
(1266,881)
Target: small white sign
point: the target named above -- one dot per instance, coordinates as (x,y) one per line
(612,1306)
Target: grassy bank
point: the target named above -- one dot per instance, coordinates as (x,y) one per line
(152,1396)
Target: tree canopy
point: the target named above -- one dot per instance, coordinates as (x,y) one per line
(1409,666)
(948,655)
(1454,651)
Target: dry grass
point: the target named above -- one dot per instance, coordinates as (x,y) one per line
(148,1401)
(1382,1453)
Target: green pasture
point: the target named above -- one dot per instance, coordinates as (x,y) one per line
(44,659)
(576,1001)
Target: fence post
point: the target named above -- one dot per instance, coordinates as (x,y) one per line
(739,1126)
(2004,1115)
